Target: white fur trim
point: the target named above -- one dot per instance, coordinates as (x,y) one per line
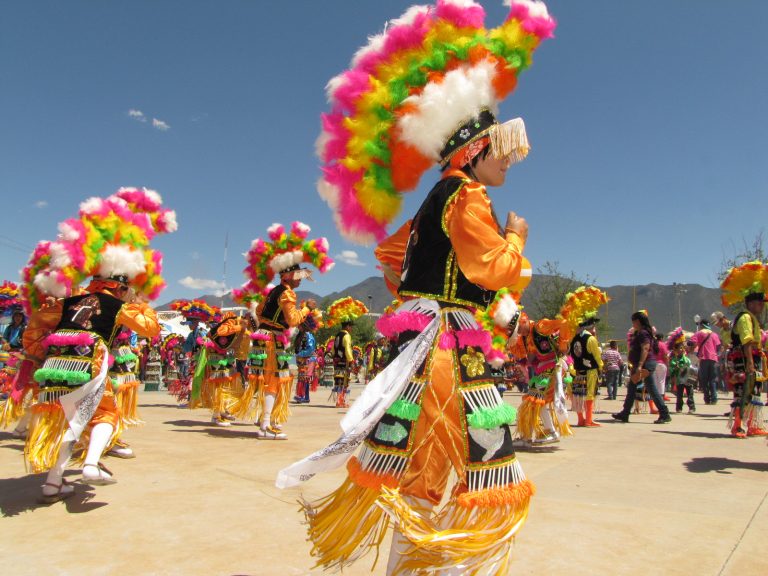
(535,7)
(91,205)
(443,107)
(59,256)
(119,259)
(286,260)
(46,282)
(505,311)
(329,193)
(69,233)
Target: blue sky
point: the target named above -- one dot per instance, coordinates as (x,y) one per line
(648,122)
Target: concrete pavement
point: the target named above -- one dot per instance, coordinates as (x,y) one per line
(681,498)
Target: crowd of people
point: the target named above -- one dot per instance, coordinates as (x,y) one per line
(429,443)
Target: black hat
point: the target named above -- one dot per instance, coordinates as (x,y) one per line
(755,297)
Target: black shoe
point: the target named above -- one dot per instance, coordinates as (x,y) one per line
(663,420)
(620,417)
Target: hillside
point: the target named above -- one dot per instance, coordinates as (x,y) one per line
(665,309)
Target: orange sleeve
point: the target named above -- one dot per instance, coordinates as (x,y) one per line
(41,323)
(229,327)
(485,256)
(140,318)
(293,316)
(391,253)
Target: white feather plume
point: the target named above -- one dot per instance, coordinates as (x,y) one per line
(121,260)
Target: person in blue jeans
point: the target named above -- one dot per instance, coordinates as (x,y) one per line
(612,364)
(642,357)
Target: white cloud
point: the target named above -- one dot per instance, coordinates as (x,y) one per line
(349,257)
(160,125)
(41,203)
(201,284)
(137,115)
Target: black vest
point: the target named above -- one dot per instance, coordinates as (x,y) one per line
(579,353)
(92,313)
(430,268)
(272,314)
(339,353)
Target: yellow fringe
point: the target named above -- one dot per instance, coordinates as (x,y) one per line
(478,538)
(207,395)
(11,412)
(529,424)
(564,427)
(127,402)
(47,427)
(282,410)
(248,405)
(345,525)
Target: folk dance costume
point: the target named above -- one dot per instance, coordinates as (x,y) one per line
(343,312)
(580,315)
(276,313)
(433,412)
(375,358)
(305,345)
(173,358)
(679,365)
(70,333)
(222,384)
(16,390)
(745,369)
(192,374)
(542,417)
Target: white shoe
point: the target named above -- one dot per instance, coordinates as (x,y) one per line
(121,452)
(97,475)
(222,423)
(271,434)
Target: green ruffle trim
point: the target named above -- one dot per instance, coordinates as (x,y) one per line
(130,357)
(221,363)
(539,381)
(56,375)
(404,409)
(284,357)
(257,356)
(487,418)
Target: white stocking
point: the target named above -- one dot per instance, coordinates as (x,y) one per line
(100,436)
(23,424)
(56,473)
(269,404)
(546,420)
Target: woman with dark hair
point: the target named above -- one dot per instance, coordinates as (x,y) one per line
(643,349)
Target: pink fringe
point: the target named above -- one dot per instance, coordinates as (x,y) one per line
(260,337)
(392,325)
(138,197)
(284,338)
(478,338)
(470,17)
(81,339)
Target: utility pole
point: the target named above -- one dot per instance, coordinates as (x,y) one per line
(679,291)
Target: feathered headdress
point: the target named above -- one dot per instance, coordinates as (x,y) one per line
(423,91)
(196,309)
(676,337)
(345,310)
(9,298)
(580,309)
(313,321)
(282,253)
(748,281)
(109,238)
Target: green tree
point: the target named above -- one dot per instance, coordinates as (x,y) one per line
(747,252)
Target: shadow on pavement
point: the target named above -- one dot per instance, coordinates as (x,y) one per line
(19,495)
(697,434)
(721,465)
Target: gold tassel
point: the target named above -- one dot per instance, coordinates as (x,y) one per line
(247,405)
(477,538)
(11,412)
(47,427)
(509,140)
(282,409)
(529,426)
(345,525)
(127,401)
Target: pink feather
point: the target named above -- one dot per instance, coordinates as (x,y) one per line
(463,17)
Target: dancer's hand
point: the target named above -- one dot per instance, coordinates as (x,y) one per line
(516,224)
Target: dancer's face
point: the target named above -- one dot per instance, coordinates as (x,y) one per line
(492,171)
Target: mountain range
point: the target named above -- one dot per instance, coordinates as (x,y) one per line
(669,306)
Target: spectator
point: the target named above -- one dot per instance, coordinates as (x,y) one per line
(613,365)
(14,332)
(724,326)
(706,344)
